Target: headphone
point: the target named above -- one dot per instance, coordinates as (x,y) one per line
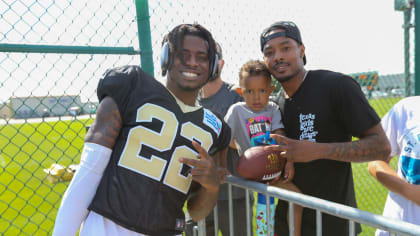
(166,61)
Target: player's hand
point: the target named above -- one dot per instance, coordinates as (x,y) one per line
(222,171)
(294,150)
(204,170)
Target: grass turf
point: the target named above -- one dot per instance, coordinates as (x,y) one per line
(28,203)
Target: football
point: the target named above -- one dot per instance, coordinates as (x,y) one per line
(260,165)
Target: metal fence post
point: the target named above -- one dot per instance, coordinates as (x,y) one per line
(216,220)
(268,214)
(291,219)
(202,227)
(248,213)
(407,74)
(231,224)
(145,38)
(318,223)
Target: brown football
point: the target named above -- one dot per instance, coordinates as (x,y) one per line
(260,165)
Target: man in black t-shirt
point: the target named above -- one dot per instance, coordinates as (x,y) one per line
(148,150)
(321,110)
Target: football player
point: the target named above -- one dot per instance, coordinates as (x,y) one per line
(150,148)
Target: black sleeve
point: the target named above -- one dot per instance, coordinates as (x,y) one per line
(353,108)
(223,140)
(118,84)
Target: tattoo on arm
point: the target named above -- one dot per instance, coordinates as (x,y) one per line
(358,151)
(372,146)
(107,125)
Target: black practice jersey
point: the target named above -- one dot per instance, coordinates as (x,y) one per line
(144,186)
(327,107)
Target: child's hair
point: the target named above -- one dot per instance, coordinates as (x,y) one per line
(253,68)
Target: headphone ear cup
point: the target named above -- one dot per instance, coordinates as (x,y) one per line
(164,58)
(215,70)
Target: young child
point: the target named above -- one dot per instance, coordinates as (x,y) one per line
(251,122)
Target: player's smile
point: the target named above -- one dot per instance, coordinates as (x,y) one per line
(190,75)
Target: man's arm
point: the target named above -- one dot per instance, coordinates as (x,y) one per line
(96,154)
(221,163)
(372,145)
(201,202)
(204,172)
(107,124)
(388,177)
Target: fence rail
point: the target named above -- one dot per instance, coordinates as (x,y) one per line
(324,207)
(63,49)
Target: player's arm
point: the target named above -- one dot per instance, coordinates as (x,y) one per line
(204,172)
(230,119)
(388,177)
(372,145)
(221,160)
(107,125)
(96,153)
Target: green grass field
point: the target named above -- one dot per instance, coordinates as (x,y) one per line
(28,203)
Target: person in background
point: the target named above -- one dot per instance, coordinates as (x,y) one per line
(148,150)
(218,95)
(321,111)
(402,127)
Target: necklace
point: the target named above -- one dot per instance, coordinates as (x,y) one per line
(304,76)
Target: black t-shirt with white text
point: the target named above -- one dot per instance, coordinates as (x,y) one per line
(327,107)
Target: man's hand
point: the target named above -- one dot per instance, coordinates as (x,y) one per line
(294,150)
(204,170)
(286,177)
(222,171)
(289,172)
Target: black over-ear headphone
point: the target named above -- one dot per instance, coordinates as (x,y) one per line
(166,61)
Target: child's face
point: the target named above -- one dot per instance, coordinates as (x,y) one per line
(256,91)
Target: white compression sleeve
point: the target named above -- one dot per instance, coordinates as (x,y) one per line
(73,209)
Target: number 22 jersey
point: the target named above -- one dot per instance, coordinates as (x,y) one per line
(144,186)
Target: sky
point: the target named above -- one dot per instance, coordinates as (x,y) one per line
(346,36)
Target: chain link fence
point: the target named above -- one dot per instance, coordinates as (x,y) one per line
(57,52)
(54,52)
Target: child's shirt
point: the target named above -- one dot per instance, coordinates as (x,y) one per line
(249,128)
